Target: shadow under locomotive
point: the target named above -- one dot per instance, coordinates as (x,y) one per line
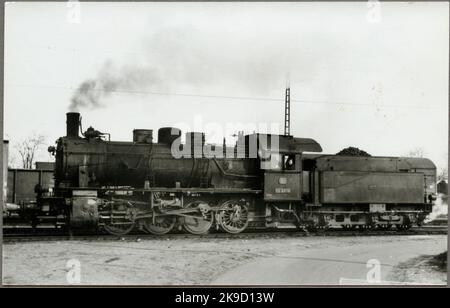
(264,181)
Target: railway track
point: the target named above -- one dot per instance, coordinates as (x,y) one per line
(45,236)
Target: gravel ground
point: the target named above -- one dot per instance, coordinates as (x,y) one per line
(184,261)
(424,269)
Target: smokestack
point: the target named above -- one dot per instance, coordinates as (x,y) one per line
(72,124)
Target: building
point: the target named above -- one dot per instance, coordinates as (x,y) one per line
(42,165)
(5,168)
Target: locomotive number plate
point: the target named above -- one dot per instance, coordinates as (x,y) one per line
(281,186)
(279,190)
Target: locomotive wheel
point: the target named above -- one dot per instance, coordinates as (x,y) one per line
(119,230)
(203,223)
(121,225)
(161,225)
(233,216)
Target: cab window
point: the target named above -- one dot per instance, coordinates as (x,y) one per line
(278,162)
(288,162)
(272,162)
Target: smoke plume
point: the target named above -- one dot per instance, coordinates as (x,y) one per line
(112,79)
(440,208)
(181,57)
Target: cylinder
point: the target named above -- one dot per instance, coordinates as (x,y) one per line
(167,135)
(143,135)
(72,124)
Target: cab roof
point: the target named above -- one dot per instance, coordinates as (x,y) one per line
(286,144)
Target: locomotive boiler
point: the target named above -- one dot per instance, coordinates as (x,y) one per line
(264,181)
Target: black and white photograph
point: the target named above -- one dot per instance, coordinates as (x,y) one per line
(225,144)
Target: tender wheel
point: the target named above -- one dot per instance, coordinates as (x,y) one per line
(385,227)
(121,220)
(311,228)
(200,221)
(349,227)
(233,216)
(370,226)
(403,227)
(406,224)
(161,224)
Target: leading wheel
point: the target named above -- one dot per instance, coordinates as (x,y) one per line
(200,220)
(233,216)
(121,220)
(119,230)
(160,224)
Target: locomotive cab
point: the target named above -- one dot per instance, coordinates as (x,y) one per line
(281,162)
(282,176)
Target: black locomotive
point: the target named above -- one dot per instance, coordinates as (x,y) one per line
(264,181)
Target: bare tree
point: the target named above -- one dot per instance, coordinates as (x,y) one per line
(417,152)
(443,171)
(27,150)
(443,174)
(12,161)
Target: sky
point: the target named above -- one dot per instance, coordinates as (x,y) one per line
(373,76)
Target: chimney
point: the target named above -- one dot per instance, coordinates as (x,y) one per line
(72,124)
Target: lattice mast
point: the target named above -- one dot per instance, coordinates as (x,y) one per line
(287,111)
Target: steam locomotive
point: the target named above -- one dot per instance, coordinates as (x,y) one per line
(264,181)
